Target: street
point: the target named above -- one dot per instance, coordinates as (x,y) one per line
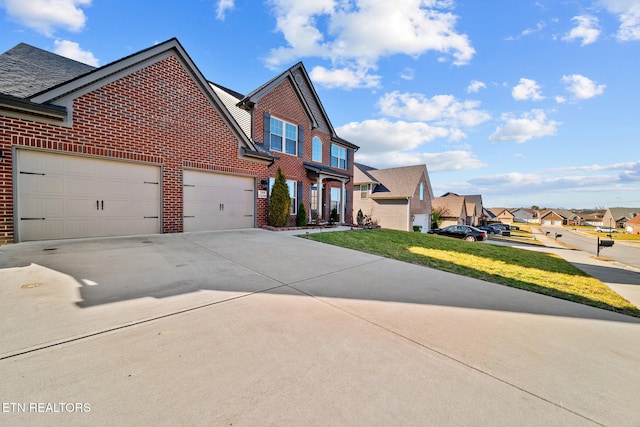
(620,252)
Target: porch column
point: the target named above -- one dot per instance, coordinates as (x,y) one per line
(320,211)
(343,207)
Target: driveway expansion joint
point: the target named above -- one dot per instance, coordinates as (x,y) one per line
(448,356)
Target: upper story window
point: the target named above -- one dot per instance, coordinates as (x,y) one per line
(338,157)
(283,136)
(364,191)
(421,191)
(316,149)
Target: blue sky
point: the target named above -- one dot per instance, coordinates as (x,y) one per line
(525,102)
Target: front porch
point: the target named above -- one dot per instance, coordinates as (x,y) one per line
(327,192)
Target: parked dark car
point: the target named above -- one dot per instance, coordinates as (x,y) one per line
(505,229)
(489,229)
(501,226)
(465,232)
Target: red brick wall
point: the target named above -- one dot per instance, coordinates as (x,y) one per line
(284,104)
(157,114)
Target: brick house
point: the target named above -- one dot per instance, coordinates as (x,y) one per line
(141,145)
(286,118)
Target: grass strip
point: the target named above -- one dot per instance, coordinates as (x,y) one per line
(539,272)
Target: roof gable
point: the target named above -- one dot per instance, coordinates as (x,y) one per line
(303,87)
(396,183)
(452,205)
(64,93)
(622,213)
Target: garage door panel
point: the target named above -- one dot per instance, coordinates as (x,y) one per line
(214,201)
(85,197)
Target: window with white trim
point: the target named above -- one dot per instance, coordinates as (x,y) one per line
(364,191)
(316,149)
(421,191)
(336,199)
(283,136)
(338,157)
(293,193)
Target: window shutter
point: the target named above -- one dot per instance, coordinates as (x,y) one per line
(348,159)
(346,203)
(300,193)
(267,130)
(300,141)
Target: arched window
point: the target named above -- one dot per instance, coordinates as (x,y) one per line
(316,149)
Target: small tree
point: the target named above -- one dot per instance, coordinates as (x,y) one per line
(437,215)
(280,202)
(301,217)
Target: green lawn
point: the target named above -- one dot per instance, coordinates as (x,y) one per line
(539,272)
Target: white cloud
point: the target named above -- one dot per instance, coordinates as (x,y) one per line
(533,124)
(46,15)
(444,110)
(527,89)
(344,78)
(527,31)
(539,27)
(223,7)
(384,136)
(475,86)
(356,34)
(582,87)
(436,162)
(628,12)
(560,99)
(407,74)
(72,50)
(587,30)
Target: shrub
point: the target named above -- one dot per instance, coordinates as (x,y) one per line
(360,217)
(301,217)
(333,218)
(280,202)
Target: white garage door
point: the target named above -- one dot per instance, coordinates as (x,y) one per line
(62,196)
(215,201)
(546,222)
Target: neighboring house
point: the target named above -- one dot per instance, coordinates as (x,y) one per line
(502,215)
(525,215)
(618,217)
(453,209)
(560,217)
(488,216)
(146,144)
(633,225)
(593,219)
(395,198)
(475,210)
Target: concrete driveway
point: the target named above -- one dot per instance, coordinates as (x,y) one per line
(260,328)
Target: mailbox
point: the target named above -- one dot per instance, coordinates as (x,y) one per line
(606,243)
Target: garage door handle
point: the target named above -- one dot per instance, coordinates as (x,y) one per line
(102,202)
(97,205)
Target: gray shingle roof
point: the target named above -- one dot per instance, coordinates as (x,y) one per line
(26,70)
(397,182)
